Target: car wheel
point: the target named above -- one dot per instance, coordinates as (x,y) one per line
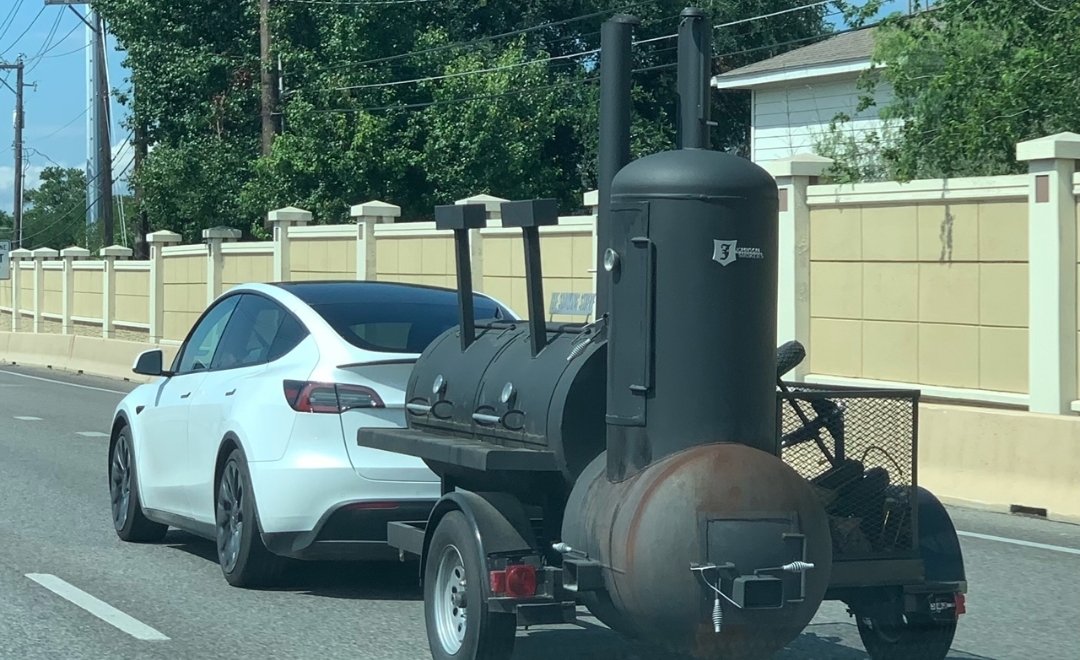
(459,625)
(244,559)
(129,521)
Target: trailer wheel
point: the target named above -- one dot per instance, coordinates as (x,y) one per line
(459,625)
(895,636)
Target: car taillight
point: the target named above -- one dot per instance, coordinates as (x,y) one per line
(518,581)
(329,397)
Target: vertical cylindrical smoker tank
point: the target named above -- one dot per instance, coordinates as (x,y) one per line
(693,276)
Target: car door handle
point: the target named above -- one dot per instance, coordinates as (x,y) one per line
(184,396)
(231,392)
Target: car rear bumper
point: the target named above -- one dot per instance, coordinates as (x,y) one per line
(350,531)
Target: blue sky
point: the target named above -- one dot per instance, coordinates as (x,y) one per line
(55,130)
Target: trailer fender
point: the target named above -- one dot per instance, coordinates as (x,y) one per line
(939,544)
(500,521)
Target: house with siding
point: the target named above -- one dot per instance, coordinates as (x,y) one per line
(795,96)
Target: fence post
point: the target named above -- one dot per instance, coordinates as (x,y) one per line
(493,209)
(40,255)
(215,261)
(1052,259)
(158,241)
(367,215)
(16,257)
(279,221)
(69,255)
(108,287)
(793,175)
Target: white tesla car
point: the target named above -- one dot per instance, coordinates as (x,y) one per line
(249,437)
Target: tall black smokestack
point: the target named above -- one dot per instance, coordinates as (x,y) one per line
(695,69)
(614,151)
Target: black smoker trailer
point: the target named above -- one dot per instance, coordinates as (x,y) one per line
(653,466)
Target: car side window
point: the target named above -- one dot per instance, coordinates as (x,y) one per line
(250,337)
(291,333)
(200,347)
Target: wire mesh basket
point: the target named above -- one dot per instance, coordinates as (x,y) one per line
(857,447)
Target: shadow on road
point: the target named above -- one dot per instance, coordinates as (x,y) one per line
(346,580)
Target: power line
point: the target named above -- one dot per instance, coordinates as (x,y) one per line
(43,54)
(6,24)
(24,32)
(493,37)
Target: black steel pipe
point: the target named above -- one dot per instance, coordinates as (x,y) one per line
(616,37)
(530,215)
(460,218)
(694,73)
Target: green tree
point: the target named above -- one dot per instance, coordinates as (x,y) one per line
(55,212)
(7,225)
(971,79)
(355,129)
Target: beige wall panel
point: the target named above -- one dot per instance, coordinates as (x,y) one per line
(177,324)
(497,256)
(410,255)
(90,281)
(949,232)
(300,255)
(1003,295)
(88,305)
(890,233)
(583,258)
(890,351)
(836,289)
(433,256)
(26,283)
(949,293)
(890,291)
(132,309)
(837,347)
(836,234)
(132,283)
(5,293)
(350,259)
(949,355)
(386,255)
(1003,359)
(556,256)
(1003,231)
(500,288)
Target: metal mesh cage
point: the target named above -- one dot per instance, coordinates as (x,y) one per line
(857,448)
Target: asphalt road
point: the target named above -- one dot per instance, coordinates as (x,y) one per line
(55,531)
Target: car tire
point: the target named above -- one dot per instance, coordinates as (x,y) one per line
(129,520)
(454,584)
(244,559)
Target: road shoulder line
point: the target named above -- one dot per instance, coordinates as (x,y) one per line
(1026,544)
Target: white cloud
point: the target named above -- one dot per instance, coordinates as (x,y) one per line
(31,180)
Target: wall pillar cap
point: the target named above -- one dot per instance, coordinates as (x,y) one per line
(44,253)
(493,205)
(381,211)
(74,252)
(1052,147)
(115,251)
(290,215)
(801,164)
(221,234)
(591,198)
(163,237)
(21,253)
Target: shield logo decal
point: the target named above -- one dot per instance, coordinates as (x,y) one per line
(724,252)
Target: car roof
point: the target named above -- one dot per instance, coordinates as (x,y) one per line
(366,292)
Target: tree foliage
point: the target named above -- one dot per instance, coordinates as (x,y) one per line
(971,79)
(54,214)
(416,104)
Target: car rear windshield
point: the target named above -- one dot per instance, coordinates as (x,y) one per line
(399,327)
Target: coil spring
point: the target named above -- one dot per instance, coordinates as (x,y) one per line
(717,615)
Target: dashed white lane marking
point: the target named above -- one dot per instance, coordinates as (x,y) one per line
(60,382)
(98,608)
(92,434)
(25,418)
(1026,544)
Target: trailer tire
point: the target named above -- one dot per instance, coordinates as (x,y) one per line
(459,624)
(905,638)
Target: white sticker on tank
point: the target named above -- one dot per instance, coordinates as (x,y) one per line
(725,252)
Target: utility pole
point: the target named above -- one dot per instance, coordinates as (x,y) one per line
(20,123)
(104,173)
(266,78)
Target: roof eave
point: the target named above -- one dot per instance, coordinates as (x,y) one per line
(756,79)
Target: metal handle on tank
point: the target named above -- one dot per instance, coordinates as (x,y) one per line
(418,408)
(481,418)
(650,299)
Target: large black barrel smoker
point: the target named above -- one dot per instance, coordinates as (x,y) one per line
(633,464)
